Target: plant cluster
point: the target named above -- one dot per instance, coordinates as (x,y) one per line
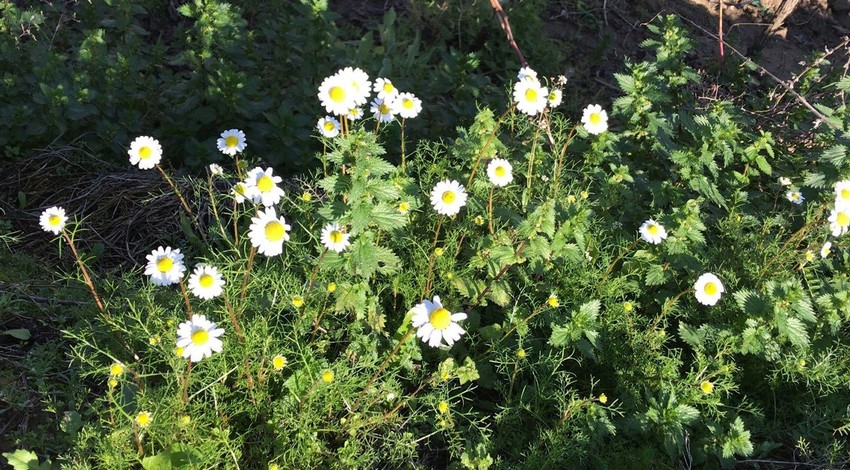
(542,289)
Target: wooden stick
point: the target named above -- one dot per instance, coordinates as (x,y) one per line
(506,27)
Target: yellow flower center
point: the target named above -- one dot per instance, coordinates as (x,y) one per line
(329,126)
(627,306)
(384,109)
(500,171)
(706,386)
(331,287)
(440,319)
(553,301)
(231,141)
(710,288)
(275,231)
(206,280)
(54,220)
(448,197)
(337,94)
(403,207)
(164,264)
(265,183)
(603,399)
(116,369)
(552,96)
(845,193)
(145,152)
(328,376)
(531,95)
(407,103)
(297,301)
(279,362)
(795,196)
(595,118)
(842,219)
(443,407)
(143,418)
(200,337)
(336,236)
(388,87)
(652,229)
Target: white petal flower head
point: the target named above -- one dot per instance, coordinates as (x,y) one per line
(355,114)
(785,181)
(382,111)
(334,238)
(231,142)
(500,172)
(448,197)
(555,97)
(794,196)
(826,249)
(145,152)
(53,220)
(839,221)
(708,289)
(240,192)
(436,323)
(337,95)
(527,73)
(262,186)
(407,105)
(530,97)
(360,84)
(165,266)
(199,338)
(328,126)
(652,232)
(842,194)
(216,169)
(595,119)
(385,89)
(268,232)
(206,282)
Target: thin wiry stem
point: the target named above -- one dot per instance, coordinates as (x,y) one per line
(86,276)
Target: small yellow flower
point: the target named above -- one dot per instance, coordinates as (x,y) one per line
(801,363)
(443,407)
(403,207)
(297,301)
(449,276)
(810,255)
(279,362)
(706,387)
(628,307)
(116,369)
(479,220)
(553,301)
(153,341)
(520,353)
(169,322)
(445,375)
(178,352)
(603,399)
(571,199)
(327,376)
(306,197)
(185,420)
(438,251)
(143,419)
(274,466)
(112,383)
(584,195)
(331,287)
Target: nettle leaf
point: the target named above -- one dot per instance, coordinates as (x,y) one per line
(335,184)
(702,185)
(581,331)
(360,217)
(804,309)
(836,155)
(655,275)
(350,297)
(750,302)
(384,191)
(368,258)
(694,337)
(500,292)
(737,441)
(387,217)
(795,330)
(25,460)
(542,220)
(467,287)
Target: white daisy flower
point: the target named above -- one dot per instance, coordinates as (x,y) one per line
(826,249)
(839,221)
(359,83)
(785,181)
(652,232)
(555,97)
(335,239)
(500,172)
(262,186)
(436,323)
(198,338)
(407,105)
(530,96)
(53,220)
(842,194)
(240,192)
(337,94)
(165,266)
(708,289)
(231,142)
(526,73)
(206,282)
(595,119)
(385,89)
(355,114)
(448,197)
(216,169)
(328,126)
(382,111)
(145,152)
(268,232)
(794,196)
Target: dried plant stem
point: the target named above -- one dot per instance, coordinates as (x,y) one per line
(183,202)
(186,383)
(86,276)
(490,210)
(506,27)
(233,320)
(186,298)
(402,144)
(432,258)
(247,274)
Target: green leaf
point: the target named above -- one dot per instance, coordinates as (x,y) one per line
(835,155)
(694,337)
(368,258)
(737,441)
(22,334)
(499,293)
(750,302)
(467,372)
(655,275)
(350,297)
(25,460)
(177,457)
(388,217)
(469,288)
(796,332)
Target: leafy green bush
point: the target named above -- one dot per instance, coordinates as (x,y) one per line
(584,342)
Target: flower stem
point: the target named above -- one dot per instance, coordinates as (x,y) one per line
(186,298)
(232,314)
(490,209)
(313,273)
(618,258)
(214,206)
(86,276)
(382,367)
(235,223)
(557,173)
(486,145)
(247,274)
(238,166)
(431,258)
(402,145)
(186,383)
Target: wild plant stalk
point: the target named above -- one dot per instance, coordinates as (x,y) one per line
(487,145)
(402,145)
(529,177)
(186,298)
(383,366)
(86,276)
(185,205)
(235,223)
(247,275)
(557,172)
(214,206)
(490,210)
(186,383)
(618,258)
(431,258)
(313,274)
(233,320)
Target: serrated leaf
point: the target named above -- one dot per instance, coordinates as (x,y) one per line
(469,288)
(350,297)
(367,258)
(686,413)
(693,337)
(499,293)
(25,460)
(750,302)
(836,155)
(655,275)
(388,217)
(796,332)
